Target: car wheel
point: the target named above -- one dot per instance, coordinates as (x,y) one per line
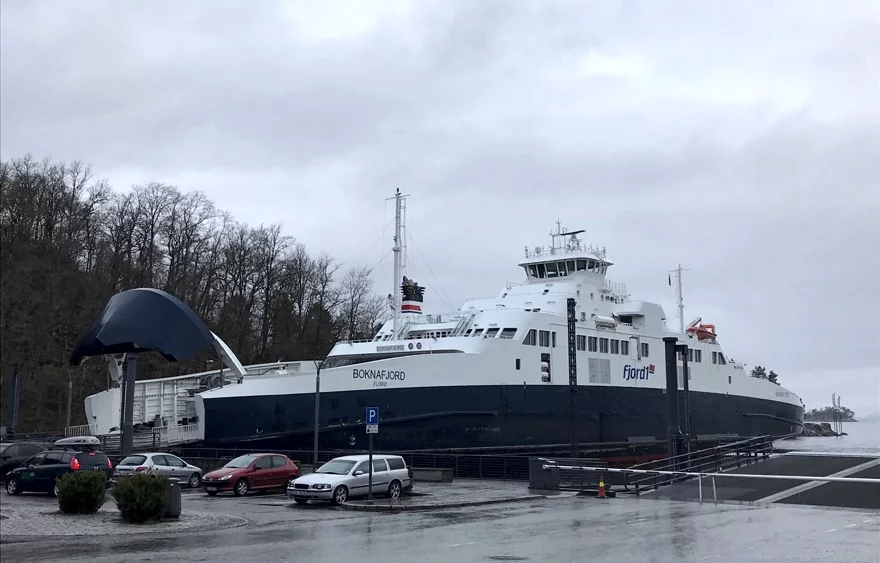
(195,481)
(394,489)
(12,486)
(54,491)
(340,494)
(241,488)
(300,500)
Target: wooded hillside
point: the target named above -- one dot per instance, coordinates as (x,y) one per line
(68,242)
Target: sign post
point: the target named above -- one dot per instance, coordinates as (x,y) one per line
(372,419)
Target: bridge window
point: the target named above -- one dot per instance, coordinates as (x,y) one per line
(624,347)
(477,332)
(544,338)
(507,333)
(563,271)
(581,343)
(645,349)
(542,273)
(615,346)
(570,265)
(533,271)
(690,354)
(531,338)
(490,333)
(698,356)
(721,359)
(552,272)
(581,265)
(592,344)
(714,357)
(603,345)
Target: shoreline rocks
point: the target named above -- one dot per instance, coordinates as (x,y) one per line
(822,429)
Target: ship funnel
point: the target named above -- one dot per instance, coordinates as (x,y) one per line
(413,296)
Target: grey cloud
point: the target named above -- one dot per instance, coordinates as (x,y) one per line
(741,139)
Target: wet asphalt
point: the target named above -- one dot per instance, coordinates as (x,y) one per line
(560,529)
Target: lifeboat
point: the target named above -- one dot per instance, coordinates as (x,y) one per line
(703,332)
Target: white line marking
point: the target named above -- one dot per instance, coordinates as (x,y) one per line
(831,530)
(851,525)
(455,545)
(868,521)
(470,543)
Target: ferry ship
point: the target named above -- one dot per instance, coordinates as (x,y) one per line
(492,375)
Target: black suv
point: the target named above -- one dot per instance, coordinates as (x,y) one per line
(14,454)
(39,472)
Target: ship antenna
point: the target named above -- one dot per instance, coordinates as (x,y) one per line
(680,295)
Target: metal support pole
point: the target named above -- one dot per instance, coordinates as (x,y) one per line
(714,491)
(317,415)
(572,372)
(673,432)
(127,438)
(700,481)
(687,398)
(370,445)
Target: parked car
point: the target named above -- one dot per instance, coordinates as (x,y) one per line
(40,472)
(13,454)
(251,472)
(160,464)
(348,476)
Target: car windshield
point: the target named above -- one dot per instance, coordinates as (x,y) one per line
(133,460)
(336,467)
(3,447)
(241,461)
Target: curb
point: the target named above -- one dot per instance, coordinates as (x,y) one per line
(423,507)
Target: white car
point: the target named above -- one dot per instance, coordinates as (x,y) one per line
(157,463)
(348,477)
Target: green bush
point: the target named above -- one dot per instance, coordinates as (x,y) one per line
(141,498)
(82,492)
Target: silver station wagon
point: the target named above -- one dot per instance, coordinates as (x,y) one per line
(348,477)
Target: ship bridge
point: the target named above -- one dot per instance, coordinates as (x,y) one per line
(567,257)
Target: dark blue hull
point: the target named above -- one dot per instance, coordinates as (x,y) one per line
(484,417)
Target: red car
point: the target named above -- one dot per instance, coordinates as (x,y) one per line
(251,472)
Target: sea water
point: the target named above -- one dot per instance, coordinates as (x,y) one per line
(861,438)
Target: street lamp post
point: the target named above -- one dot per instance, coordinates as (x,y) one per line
(317,412)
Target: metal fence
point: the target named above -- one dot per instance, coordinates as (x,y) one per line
(654,474)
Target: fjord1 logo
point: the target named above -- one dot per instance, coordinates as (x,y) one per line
(632,372)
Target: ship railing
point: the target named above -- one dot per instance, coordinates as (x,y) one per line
(716,459)
(171,435)
(80,430)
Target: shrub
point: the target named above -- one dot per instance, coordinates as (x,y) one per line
(141,498)
(82,492)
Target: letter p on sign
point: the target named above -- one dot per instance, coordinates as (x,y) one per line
(372,415)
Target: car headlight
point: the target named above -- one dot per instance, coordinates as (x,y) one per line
(225,478)
(321,486)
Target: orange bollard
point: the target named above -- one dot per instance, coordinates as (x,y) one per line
(601,486)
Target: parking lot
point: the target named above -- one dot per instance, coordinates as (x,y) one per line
(267,527)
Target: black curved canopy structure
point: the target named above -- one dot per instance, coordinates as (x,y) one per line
(144,320)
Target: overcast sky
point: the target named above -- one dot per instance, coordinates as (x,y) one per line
(740,139)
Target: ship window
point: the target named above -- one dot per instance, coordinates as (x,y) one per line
(729,380)
(553,338)
(536,309)
(570,265)
(552,272)
(469,331)
(583,316)
(603,345)
(645,349)
(562,269)
(517,363)
(591,264)
(491,332)
(544,338)
(541,272)
(592,344)
(581,343)
(581,265)
(615,346)
(591,296)
(507,333)
(714,357)
(624,347)
(698,356)
(531,338)
(533,271)
(690,354)
(478,332)
(721,359)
